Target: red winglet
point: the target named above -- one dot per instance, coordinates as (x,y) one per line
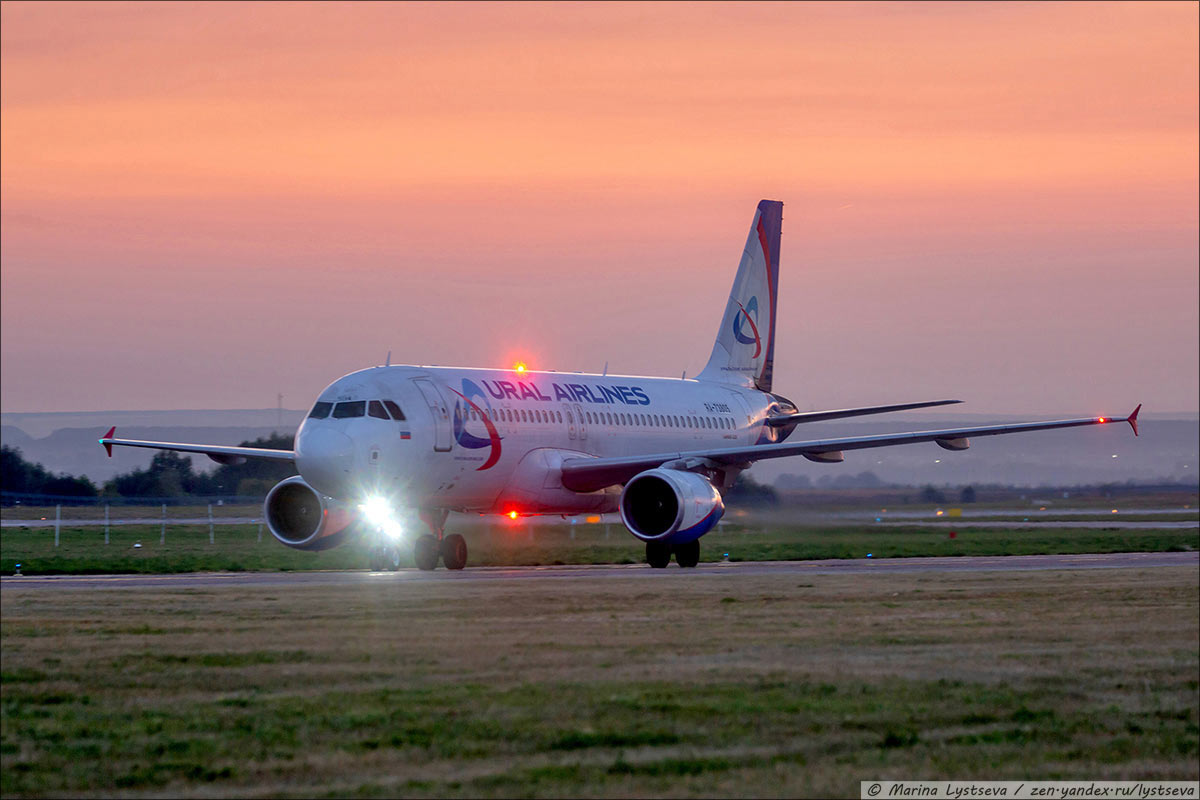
(108,445)
(1133,419)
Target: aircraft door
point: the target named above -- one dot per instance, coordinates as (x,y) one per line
(582,426)
(441,414)
(743,419)
(570,420)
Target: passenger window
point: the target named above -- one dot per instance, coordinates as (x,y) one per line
(320,411)
(375,409)
(559,413)
(354,408)
(397,414)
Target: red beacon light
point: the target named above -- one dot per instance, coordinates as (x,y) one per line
(519,366)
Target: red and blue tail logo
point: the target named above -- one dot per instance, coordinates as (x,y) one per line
(743,316)
(463,418)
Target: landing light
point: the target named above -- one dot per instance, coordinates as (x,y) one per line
(379,514)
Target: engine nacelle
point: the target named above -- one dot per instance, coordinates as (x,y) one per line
(669,505)
(300,517)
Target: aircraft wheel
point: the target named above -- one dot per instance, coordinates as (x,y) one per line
(658,554)
(425,552)
(454,551)
(688,555)
(390,558)
(375,563)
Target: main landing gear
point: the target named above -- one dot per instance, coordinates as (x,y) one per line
(687,555)
(430,546)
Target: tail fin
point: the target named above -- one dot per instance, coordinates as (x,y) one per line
(744,352)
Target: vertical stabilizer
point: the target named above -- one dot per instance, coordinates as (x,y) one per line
(744,353)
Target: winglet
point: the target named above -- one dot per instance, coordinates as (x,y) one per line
(109,435)
(1132,420)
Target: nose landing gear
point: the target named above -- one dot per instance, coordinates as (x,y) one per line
(384,556)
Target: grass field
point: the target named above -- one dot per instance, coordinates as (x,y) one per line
(661,683)
(237,548)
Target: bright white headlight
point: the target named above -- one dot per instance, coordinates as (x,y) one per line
(379,514)
(377,511)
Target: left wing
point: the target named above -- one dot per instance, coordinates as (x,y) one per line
(590,474)
(218,453)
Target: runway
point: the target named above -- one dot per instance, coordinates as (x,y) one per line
(949,564)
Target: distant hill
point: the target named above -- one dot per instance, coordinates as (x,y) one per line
(1168,450)
(76,451)
(37,424)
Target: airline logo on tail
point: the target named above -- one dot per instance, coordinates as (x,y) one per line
(744,316)
(463,436)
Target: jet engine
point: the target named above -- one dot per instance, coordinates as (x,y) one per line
(300,517)
(669,505)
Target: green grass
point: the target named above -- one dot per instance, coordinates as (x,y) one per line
(236,548)
(653,685)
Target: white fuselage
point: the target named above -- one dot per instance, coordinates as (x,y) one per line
(491,441)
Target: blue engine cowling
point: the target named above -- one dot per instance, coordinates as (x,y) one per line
(669,505)
(301,518)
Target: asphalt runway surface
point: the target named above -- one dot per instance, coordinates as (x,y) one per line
(950,564)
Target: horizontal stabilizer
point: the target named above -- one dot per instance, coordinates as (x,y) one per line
(843,413)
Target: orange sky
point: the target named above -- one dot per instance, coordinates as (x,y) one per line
(206,204)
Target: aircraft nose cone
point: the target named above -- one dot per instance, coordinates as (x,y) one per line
(325,459)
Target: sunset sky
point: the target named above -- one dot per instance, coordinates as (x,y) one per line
(206,204)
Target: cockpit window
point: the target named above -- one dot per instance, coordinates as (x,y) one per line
(320,411)
(375,409)
(354,408)
(395,409)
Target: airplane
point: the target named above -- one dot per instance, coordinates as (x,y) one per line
(659,451)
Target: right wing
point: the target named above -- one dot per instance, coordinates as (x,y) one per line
(218,453)
(590,474)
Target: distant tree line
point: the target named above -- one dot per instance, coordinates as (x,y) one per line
(24,477)
(749,492)
(168,475)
